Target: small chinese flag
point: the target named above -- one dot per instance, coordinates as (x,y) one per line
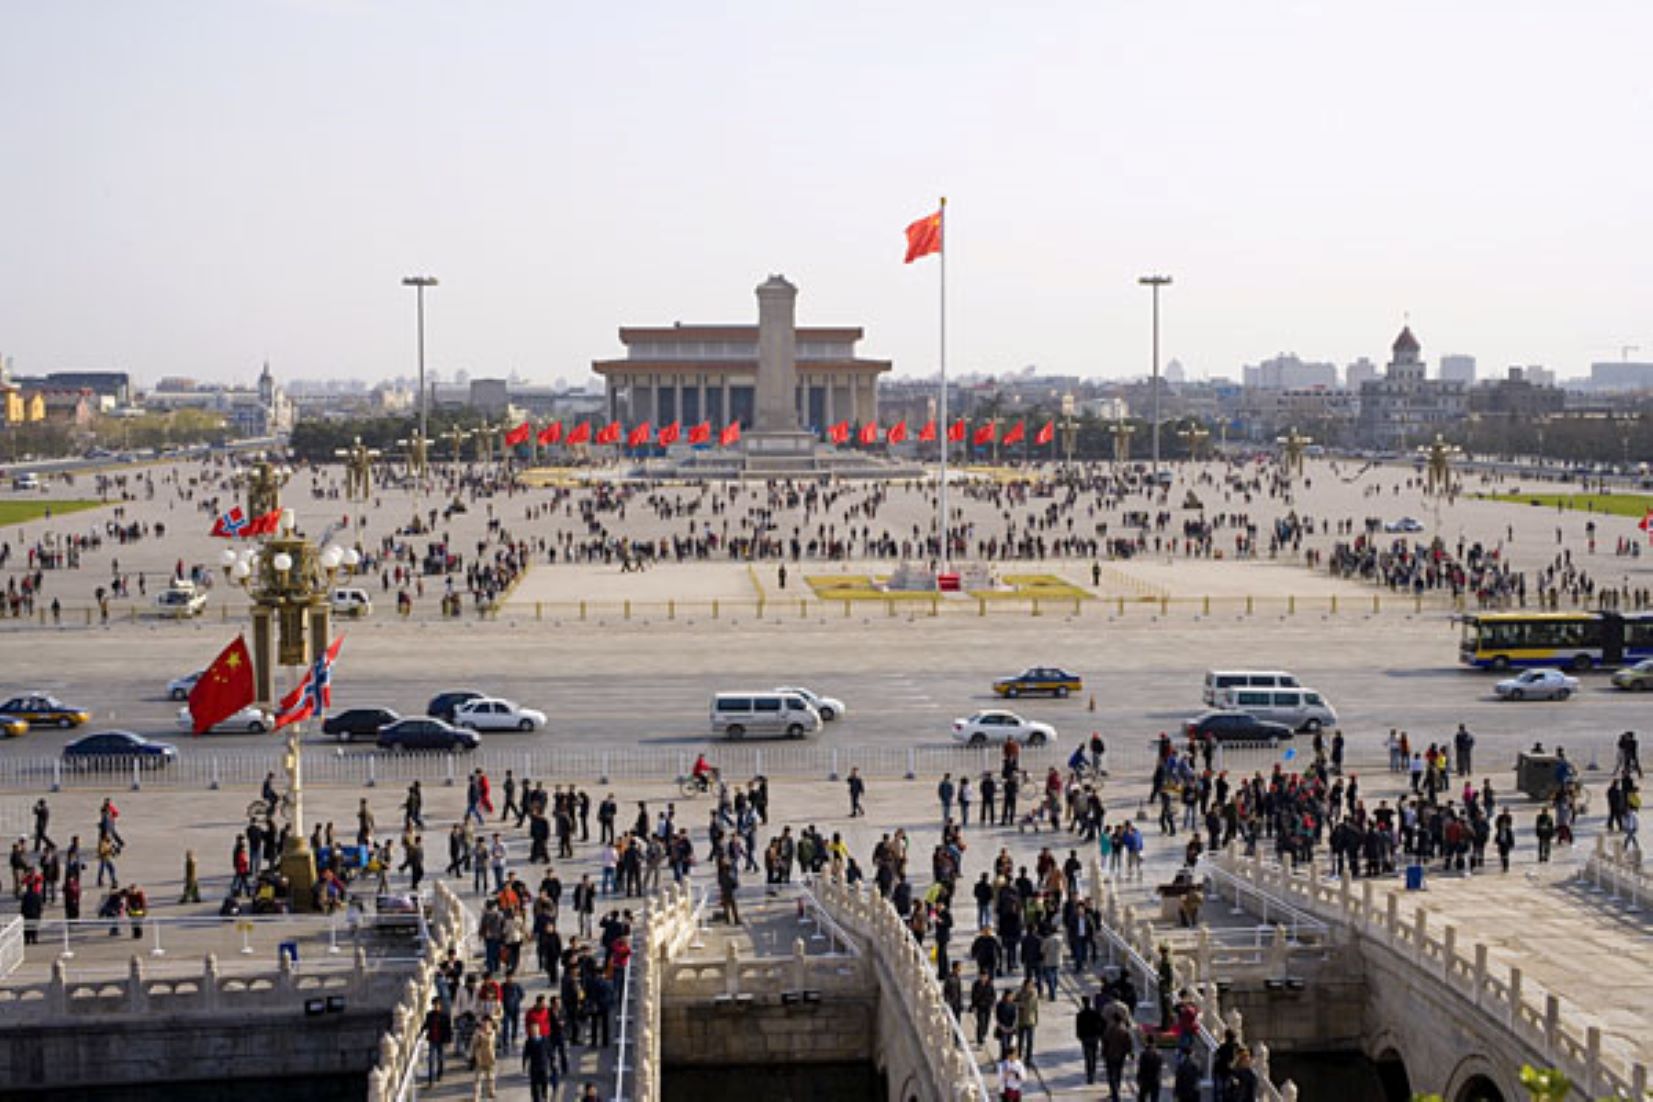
(924,237)
(1017,431)
(670,434)
(839,433)
(1646,523)
(609,433)
(955,431)
(701,434)
(639,436)
(730,435)
(224,689)
(898,432)
(927,434)
(581,433)
(1046,434)
(550,434)
(518,435)
(869,433)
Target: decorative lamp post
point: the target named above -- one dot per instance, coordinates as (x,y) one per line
(358,470)
(264,488)
(1295,444)
(1122,431)
(1438,458)
(1195,437)
(456,438)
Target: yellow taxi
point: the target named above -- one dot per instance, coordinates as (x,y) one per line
(11,726)
(41,710)
(1040,679)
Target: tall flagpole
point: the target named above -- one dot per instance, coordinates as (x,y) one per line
(945,439)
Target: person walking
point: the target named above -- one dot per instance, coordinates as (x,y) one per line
(1027,1017)
(1117,1042)
(1089,1027)
(42,818)
(857,789)
(192,883)
(1150,1070)
(945,791)
(981,1004)
(1464,743)
(538,1062)
(1012,1075)
(438,1032)
(485,1057)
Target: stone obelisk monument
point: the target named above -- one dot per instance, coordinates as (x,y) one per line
(775,430)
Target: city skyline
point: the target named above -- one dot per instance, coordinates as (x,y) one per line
(198,190)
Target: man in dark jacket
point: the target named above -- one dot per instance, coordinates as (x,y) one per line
(1117,1043)
(1150,1066)
(438,1034)
(1088,1025)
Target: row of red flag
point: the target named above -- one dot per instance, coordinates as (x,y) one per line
(226,687)
(644,434)
(235,524)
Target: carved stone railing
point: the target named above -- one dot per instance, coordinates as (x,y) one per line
(668,929)
(912,981)
(1505,1000)
(1619,871)
(401,1045)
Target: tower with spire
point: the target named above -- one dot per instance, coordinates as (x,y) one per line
(1406,366)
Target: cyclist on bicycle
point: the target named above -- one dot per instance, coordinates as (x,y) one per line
(272,799)
(1077,761)
(703,772)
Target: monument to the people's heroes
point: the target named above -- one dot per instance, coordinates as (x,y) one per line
(775,432)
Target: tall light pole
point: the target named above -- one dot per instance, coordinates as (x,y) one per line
(419,283)
(1156,282)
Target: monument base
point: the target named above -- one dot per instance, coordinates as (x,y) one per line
(779,444)
(298,868)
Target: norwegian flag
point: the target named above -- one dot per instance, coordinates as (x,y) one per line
(232,525)
(314,695)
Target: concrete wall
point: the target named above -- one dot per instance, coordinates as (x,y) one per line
(836,1030)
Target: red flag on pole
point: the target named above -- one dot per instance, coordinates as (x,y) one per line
(701,434)
(267,525)
(924,237)
(224,689)
(1014,436)
(609,433)
(897,433)
(581,433)
(518,435)
(550,434)
(927,434)
(869,433)
(955,431)
(669,434)
(839,433)
(985,434)
(639,436)
(1046,434)
(730,435)
(1646,523)
(232,525)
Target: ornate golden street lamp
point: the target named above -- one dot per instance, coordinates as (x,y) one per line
(358,470)
(1295,444)
(1195,437)
(1122,431)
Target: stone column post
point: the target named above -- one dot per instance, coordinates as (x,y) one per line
(1449,949)
(1515,1001)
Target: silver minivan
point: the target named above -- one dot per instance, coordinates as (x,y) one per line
(736,715)
(1216,681)
(1300,709)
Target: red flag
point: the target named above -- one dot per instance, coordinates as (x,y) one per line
(1646,524)
(839,433)
(1046,434)
(897,433)
(232,525)
(869,433)
(924,237)
(927,434)
(267,525)
(729,435)
(609,433)
(670,434)
(518,435)
(224,689)
(581,433)
(1017,431)
(985,434)
(955,431)
(639,436)
(550,434)
(701,434)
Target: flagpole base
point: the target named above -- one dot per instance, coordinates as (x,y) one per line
(298,868)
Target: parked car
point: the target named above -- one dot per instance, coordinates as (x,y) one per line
(355,723)
(1637,678)
(44,710)
(996,726)
(1404,524)
(179,687)
(119,746)
(426,733)
(249,720)
(1232,725)
(736,715)
(1542,684)
(1040,679)
(442,705)
(349,601)
(494,713)
(12,727)
(830,708)
(180,600)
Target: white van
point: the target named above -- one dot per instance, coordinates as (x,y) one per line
(737,715)
(351,602)
(1218,680)
(1300,709)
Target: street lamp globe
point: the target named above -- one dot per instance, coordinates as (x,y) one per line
(331,557)
(228,557)
(282,561)
(241,571)
(352,558)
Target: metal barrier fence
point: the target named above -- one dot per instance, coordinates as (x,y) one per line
(11,946)
(736,761)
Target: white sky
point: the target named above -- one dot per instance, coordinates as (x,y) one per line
(192,187)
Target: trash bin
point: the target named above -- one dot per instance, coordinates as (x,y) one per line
(1414,878)
(287,949)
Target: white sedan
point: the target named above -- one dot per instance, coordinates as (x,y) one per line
(995,726)
(1537,685)
(829,707)
(178,688)
(493,713)
(249,720)
(1404,524)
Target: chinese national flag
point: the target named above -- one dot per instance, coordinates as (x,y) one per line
(927,434)
(518,435)
(639,436)
(897,433)
(1017,431)
(224,689)
(955,431)
(1646,523)
(985,434)
(839,433)
(730,435)
(670,434)
(581,433)
(869,433)
(550,434)
(701,434)
(924,237)
(1046,434)
(609,433)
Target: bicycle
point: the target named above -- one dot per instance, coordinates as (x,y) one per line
(695,785)
(262,809)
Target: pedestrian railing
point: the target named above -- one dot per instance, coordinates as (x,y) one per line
(395,1076)
(11,947)
(626,1053)
(1299,926)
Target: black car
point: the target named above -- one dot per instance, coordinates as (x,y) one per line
(1234,726)
(119,748)
(425,733)
(355,723)
(442,704)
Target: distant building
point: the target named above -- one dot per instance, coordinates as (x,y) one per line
(1405,406)
(1287,372)
(257,411)
(1516,396)
(1359,373)
(1458,369)
(1174,373)
(1621,375)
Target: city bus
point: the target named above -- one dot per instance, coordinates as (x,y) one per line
(1577,640)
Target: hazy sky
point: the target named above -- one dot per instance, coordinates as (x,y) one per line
(192,187)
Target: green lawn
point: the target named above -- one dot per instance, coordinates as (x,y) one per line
(1618,505)
(21,512)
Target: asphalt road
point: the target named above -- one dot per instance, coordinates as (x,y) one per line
(903,682)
